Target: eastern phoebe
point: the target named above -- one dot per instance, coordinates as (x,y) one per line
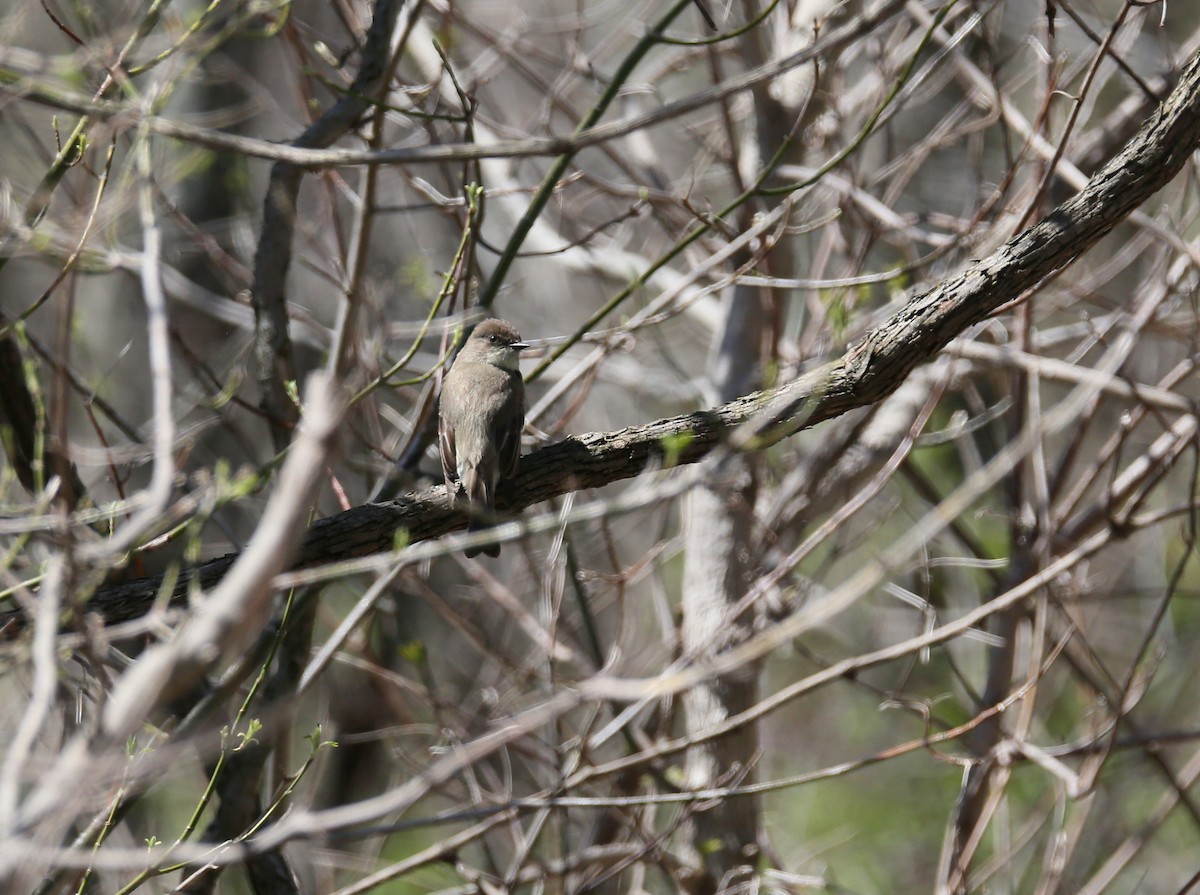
(481,413)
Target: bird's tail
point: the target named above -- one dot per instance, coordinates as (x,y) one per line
(475,523)
(480,513)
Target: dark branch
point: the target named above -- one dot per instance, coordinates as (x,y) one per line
(272,346)
(868,372)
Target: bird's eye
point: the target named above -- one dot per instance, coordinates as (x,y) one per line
(493,339)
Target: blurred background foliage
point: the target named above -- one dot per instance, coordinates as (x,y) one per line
(1087,772)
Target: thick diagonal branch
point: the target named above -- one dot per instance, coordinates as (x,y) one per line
(869,371)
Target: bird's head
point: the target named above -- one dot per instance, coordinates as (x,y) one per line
(494,342)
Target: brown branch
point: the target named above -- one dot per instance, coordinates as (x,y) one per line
(869,371)
(272,346)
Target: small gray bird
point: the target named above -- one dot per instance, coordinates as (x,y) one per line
(481,414)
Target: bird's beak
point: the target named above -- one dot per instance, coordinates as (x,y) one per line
(519,346)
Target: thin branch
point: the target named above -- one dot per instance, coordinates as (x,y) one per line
(14,83)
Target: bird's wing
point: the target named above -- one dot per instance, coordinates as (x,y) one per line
(449,458)
(508,436)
